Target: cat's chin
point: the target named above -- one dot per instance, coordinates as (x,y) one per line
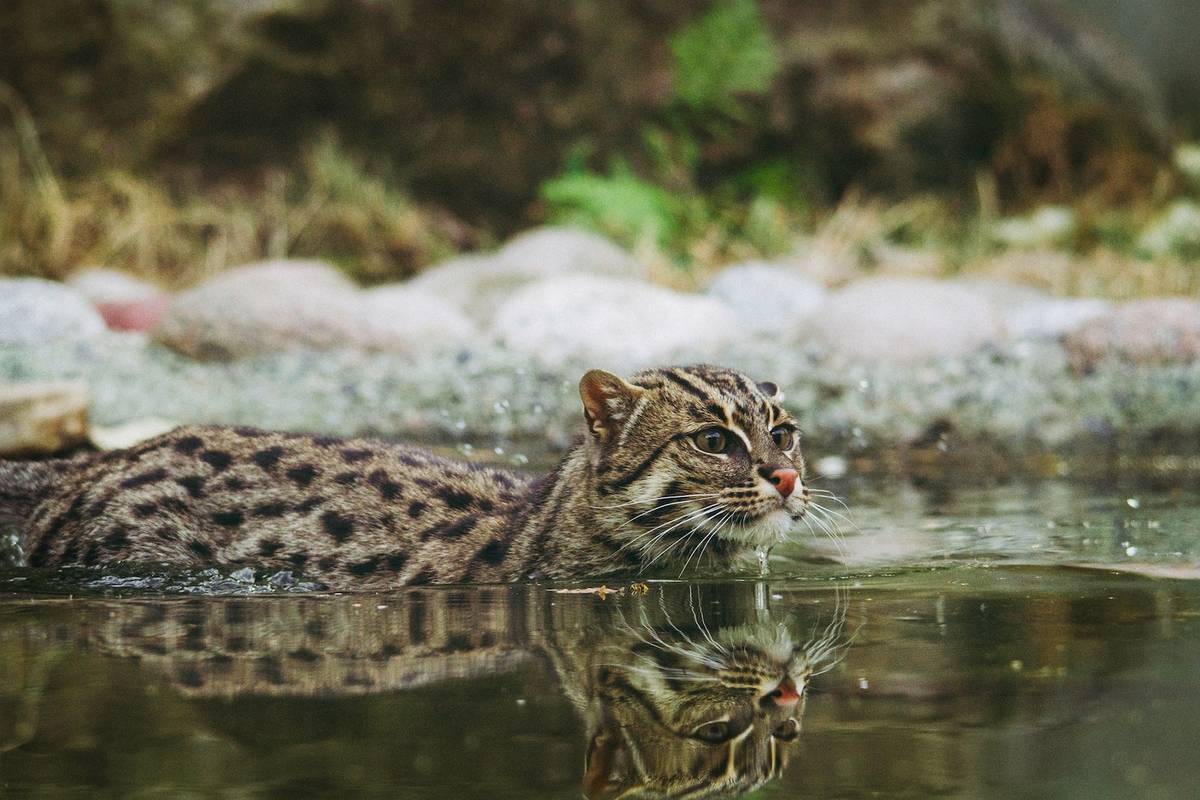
(765,530)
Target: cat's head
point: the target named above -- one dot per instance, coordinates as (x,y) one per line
(685,713)
(692,460)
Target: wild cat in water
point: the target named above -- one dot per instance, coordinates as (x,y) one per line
(677,464)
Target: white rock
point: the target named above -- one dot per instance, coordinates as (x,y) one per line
(111,286)
(277,306)
(1156,330)
(473,283)
(1030,313)
(767,298)
(905,320)
(33,311)
(479,283)
(417,315)
(827,262)
(554,251)
(1003,294)
(1052,317)
(263,308)
(276,273)
(616,324)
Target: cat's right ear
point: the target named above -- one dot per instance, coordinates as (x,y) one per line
(607,402)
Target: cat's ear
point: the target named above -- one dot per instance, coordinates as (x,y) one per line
(607,402)
(770,389)
(601,767)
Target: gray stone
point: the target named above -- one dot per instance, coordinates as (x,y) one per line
(42,418)
(100,285)
(33,310)
(1005,295)
(1162,330)
(279,306)
(1030,313)
(611,323)
(417,316)
(261,308)
(552,251)
(1052,317)
(824,260)
(767,298)
(479,283)
(904,320)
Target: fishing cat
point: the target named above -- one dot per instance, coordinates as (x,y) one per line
(677,464)
(694,695)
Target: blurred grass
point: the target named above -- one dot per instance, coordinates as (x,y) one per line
(175,232)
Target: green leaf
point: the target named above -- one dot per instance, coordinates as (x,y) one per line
(620,204)
(727,52)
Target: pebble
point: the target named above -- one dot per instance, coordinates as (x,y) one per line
(905,321)
(33,310)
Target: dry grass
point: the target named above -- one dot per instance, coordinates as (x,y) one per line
(1100,273)
(328,208)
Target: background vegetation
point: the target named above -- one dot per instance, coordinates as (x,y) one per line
(175,139)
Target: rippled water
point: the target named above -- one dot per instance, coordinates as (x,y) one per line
(1032,639)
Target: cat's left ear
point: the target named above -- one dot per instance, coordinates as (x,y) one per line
(602,776)
(607,402)
(770,389)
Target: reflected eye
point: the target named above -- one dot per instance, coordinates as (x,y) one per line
(783,436)
(787,731)
(711,440)
(714,732)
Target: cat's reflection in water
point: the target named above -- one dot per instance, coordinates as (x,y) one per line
(681,710)
(683,692)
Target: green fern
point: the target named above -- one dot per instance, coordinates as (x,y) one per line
(619,204)
(727,52)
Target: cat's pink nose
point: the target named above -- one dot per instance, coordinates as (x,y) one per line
(783,479)
(785,693)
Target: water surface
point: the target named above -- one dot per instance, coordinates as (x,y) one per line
(1031,639)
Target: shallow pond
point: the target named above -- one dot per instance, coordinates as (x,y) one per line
(1031,639)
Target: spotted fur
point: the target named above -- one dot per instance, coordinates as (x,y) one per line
(637,493)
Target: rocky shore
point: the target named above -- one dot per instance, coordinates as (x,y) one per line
(486,350)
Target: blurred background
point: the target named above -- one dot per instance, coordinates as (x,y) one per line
(962,235)
(1005,192)
(174,139)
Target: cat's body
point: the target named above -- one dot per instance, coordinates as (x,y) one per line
(681,463)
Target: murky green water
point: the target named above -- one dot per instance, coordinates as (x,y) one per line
(1036,639)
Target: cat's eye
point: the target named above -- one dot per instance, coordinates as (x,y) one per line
(783,436)
(788,730)
(714,732)
(711,440)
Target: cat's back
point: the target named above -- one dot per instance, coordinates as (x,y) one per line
(234,495)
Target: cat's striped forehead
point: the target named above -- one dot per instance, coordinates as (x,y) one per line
(718,395)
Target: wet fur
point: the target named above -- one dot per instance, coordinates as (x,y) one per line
(634,494)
